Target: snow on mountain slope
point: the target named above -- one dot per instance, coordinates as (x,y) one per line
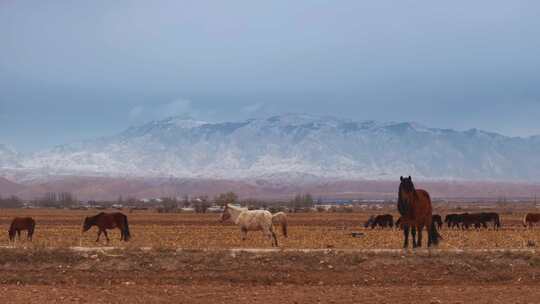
(298,147)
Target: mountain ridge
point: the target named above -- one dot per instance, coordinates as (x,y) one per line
(291,148)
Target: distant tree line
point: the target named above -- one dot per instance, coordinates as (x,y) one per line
(200,204)
(302,202)
(11,202)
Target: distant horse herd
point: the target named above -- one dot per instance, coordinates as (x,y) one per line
(414,206)
(453,220)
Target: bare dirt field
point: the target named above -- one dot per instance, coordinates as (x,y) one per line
(47,271)
(62,228)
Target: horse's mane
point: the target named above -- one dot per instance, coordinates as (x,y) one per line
(404,203)
(236,207)
(403,206)
(93,219)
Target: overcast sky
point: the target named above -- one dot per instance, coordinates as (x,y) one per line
(78,69)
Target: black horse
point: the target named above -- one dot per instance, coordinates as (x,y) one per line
(436,219)
(454,220)
(385,220)
(479,220)
(492,217)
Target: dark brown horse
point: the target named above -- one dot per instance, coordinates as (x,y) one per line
(106,221)
(530,218)
(414,205)
(22,223)
(385,220)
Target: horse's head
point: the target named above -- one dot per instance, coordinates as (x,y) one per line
(369,221)
(87,224)
(11,233)
(226,214)
(398,222)
(406,186)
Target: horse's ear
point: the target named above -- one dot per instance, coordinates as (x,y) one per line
(401,178)
(410,178)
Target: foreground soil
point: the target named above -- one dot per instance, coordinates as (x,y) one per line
(166,276)
(223,293)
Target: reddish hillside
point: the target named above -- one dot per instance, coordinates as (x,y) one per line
(100,188)
(8,187)
(104,188)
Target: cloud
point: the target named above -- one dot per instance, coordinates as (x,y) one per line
(178,107)
(253,108)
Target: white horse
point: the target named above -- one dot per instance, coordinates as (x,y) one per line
(253,220)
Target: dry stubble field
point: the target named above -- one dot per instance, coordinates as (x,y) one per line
(45,271)
(62,228)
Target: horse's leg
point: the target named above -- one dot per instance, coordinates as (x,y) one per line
(274,238)
(98,235)
(414,237)
(406,236)
(243,232)
(19,234)
(418,231)
(269,232)
(106,235)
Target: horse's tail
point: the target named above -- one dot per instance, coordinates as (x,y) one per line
(497,221)
(525,220)
(11,231)
(281,219)
(434,234)
(127,235)
(31,228)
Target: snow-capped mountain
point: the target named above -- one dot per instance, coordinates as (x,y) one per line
(302,147)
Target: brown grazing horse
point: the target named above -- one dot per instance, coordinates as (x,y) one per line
(414,205)
(106,221)
(530,218)
(22,223)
